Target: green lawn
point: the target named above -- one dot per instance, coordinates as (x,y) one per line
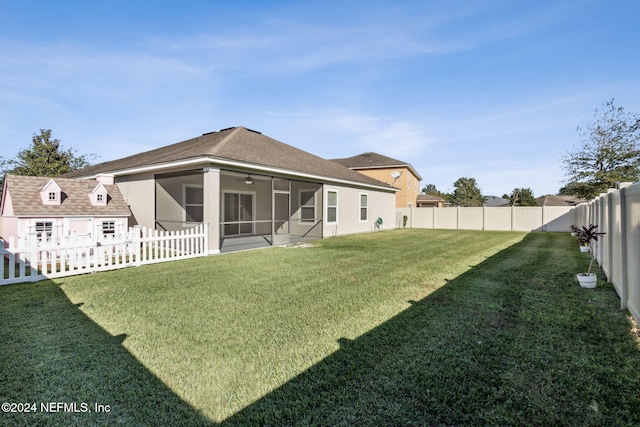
(403,327)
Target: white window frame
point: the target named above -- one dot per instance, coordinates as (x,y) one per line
(53,196)
(315,203)
(366,207)
(332,207)
(186,223)
(46,228)
(111,228)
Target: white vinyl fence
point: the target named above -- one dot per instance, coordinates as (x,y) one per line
(29,259)
(617,213)
(521,218)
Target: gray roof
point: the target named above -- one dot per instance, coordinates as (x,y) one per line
(372,160)
(551,200)
(237,144)
(428,198)
(26,201)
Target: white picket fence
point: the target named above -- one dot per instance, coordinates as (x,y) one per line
(29,259)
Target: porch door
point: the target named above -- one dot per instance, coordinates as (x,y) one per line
(281,209)
(238,214)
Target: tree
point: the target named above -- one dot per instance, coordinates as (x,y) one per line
(467,193)
(45,157)
(522,197)
(609,154)
(430,189)
(433,191)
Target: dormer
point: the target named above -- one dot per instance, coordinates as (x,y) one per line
(51,194)
(99,195)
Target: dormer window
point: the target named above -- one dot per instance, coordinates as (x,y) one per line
(99,195)
(51,194)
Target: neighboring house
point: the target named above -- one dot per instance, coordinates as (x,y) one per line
(550,200)
(391,171)
(430,201)
(252,190)
(51,207)
(495,201)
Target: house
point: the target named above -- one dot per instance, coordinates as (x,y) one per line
(252,190)
(391,171)
(50,207)
(495,201)
(551,200)
(430,201)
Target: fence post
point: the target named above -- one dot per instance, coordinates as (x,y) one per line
(624,277)
(136,246)
(205,249)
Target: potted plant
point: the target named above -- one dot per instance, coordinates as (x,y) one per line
(585,237)
(574,230)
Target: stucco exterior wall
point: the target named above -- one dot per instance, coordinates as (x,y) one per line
(408,184)
(380,205)
(139,192)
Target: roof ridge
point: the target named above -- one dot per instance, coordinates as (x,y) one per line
(226,139)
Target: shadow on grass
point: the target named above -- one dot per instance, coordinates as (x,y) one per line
(52,354)
(514,341)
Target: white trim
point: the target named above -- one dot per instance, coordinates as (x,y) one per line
(327,191)
(235,164)
(360,207)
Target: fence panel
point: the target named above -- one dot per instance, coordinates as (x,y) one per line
(497,219)
(558,218)
(446,218)
(28,259)
(631,274)
(471,218)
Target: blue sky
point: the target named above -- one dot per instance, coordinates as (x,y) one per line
(489,89)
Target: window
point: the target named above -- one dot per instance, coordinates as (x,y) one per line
(307,205)
(44,229)
(53,196)
(364,207)
(193,203)
(332,206)
(99,197)
(108,228)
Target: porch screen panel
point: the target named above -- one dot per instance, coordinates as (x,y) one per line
(231,213)
(194,204)
(246,213)
(307,206)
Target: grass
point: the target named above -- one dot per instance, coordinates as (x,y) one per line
(406,327)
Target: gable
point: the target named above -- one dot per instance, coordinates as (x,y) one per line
(51,194)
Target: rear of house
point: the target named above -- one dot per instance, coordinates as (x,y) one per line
(252,189)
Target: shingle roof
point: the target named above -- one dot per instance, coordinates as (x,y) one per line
(25,197)
(428,198)
(372,160)
(550,200)
(237,144)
